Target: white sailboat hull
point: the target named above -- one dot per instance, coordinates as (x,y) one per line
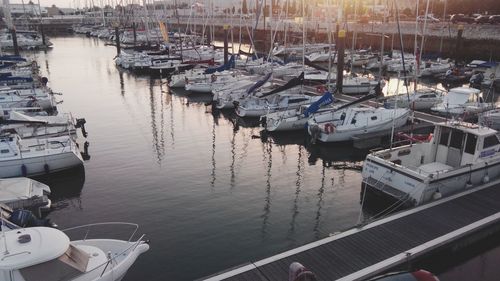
(347,135)
(36,165)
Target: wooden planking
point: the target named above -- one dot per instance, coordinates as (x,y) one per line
(365,248)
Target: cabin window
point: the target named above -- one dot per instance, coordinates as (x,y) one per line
(472,98)
(470,145)
(445,133)
(490,141)
(4,151)
(297,100)
(342,116)
(456,139)
(374,118)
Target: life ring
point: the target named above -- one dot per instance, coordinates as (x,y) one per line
(214,78)
(329,128)
(321,89)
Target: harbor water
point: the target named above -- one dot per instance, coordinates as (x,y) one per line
(207,191)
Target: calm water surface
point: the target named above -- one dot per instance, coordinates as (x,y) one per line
(207,192)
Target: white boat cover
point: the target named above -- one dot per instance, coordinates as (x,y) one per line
(17,116)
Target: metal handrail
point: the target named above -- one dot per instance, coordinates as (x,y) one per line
(15,254)
(88,226)
(110,260)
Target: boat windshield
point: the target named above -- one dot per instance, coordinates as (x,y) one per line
(68,266)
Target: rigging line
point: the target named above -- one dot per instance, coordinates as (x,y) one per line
(402,49)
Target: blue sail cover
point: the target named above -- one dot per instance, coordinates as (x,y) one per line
(327,98)
(15,79)
(259,83)
(11,58)
(230,64)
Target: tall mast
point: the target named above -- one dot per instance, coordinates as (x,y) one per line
(328,28)
(444,17)
(303,37)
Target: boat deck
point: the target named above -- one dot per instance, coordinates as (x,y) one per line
(366,251)
(419,115)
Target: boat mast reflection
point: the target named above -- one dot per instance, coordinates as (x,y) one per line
(298,185)
(122,82)
(213,176)
(321,192)
(267,150)
(158,146)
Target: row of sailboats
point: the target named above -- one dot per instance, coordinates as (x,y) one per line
(35,138)
(250,86)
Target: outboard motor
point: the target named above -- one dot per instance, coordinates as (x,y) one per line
(44,81)
(477,78)
(315,133)
(80,123)
(25,218)
(85,154)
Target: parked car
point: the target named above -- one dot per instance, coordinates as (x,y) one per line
(430,18)
(482,19)
(494,19)
(461,18)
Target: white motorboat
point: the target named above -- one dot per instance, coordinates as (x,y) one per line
(459,156)
(345,124)
(30,157)
(47,254)
(461,101)
(18,192)
(491,119)
(421,99)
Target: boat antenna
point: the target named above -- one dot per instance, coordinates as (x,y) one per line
(329,31)
(3,232)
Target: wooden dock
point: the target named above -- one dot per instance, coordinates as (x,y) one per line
(369,250)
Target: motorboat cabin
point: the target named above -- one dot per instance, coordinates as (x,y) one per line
(459,156)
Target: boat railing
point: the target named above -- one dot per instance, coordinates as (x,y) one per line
(113,259)
(88,228)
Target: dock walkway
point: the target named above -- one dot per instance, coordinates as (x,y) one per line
(364,252)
